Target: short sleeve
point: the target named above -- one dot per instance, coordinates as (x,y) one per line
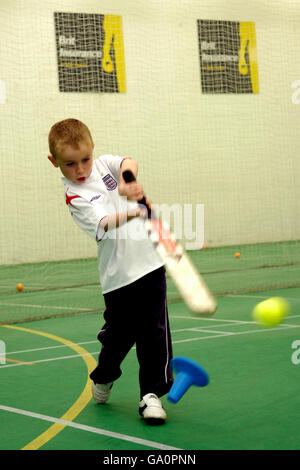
(88,215)
(113,163)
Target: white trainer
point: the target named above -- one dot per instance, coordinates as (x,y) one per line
(151,409)
(101,392)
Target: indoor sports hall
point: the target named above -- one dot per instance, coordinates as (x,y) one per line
(205,96)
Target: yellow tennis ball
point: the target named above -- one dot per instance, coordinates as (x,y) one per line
(271,312)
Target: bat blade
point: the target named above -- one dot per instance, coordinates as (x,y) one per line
(190,285)
(185,276)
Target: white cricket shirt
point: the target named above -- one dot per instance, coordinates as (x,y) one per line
(125,253)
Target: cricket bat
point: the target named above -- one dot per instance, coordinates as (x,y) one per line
(187,279)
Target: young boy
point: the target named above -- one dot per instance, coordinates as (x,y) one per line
(132,275)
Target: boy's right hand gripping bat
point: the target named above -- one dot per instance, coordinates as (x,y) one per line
(188,281)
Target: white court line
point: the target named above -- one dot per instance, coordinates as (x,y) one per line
(293,316)
(270,330)
(220,335)
(51,359)
(9,304)
(199,329)
(203,318)
(223,325)
(240,322)
(205,330)
(9,353)
(297,299)
(202,330)
(84,427)
(46,348)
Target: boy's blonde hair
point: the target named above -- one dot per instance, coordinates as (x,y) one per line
(67,132)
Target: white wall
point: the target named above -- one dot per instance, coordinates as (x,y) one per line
(237,154)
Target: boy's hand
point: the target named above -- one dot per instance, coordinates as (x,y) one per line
(133,191)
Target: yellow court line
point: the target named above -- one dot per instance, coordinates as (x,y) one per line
(81,401)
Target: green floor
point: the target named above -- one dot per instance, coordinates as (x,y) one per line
(251,401)
(62,288)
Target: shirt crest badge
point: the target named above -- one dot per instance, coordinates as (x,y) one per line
(110,182)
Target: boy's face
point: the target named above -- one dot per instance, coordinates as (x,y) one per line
(75,164)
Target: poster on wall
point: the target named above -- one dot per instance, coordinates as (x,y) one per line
(228,56)
(90,52)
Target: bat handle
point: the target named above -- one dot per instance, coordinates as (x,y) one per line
(129,178)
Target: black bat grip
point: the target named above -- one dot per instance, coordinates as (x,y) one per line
(129,178)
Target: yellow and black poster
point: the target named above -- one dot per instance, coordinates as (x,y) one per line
(228,56)
(90,52)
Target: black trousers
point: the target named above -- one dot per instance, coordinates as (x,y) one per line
(137,314)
